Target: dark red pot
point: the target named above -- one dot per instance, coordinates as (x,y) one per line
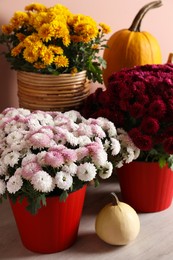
(145,186)
(55,227)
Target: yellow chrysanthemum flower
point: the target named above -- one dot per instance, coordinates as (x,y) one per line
(74,70)
(19,19)
(45,32)
(60,10)
(7,29)
(30,55)
(39,65)
(95,46)
(33,39)
(105,28)
(59,29)
(66,40)
(85,27)
(46,55)
(61,61)
(55,49)
(36,7)
(20,36)
(38,19)
(17,50)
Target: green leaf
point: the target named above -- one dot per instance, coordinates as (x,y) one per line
(34,204)
(63,196)
(43,200)
(96,183)
(162,162)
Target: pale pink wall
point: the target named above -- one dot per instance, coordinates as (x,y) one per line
(117,13)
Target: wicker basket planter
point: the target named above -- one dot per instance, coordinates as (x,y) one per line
(51,92)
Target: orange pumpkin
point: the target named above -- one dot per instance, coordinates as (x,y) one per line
(132,47)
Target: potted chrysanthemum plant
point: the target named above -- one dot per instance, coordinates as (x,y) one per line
(54,46)
(140,100)
(47,159)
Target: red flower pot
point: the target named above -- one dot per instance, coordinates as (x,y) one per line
(145,186)
(55,227)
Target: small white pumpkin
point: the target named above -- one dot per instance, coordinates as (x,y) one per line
(117,223)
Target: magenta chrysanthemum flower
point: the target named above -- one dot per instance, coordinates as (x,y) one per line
(137,110)
(168,145)
(149,125)
(143,142)
(157,108)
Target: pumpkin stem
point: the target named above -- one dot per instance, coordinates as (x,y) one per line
(115,199)
(135,26)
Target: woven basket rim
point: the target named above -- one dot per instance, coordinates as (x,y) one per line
(22,72)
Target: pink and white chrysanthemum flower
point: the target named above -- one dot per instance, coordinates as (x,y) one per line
(112,132)
(5,151)
(115,146)
(30,157)
(15,139)
(34,124)
(71,139)
(106,144)
(83,140)
(14,183)
(86,171)
(18,171)
(54,159)
(44,118)
(84,129)
(41,157)
(97,153)
(29,170)
(82,152)
(63,180)
(2,134)
(120,164)
(107,126)
(72,126)
(9,124)
(131,154)
(106,171)
(23,111)
(3,168)
(47,130)
(19,125)
(74,115)
(59,135)
(12,112)
(2,187)
(70,169)
(127,143)
(69,155)
(39,140)
(99,157)
(61,120)
(20,146)
(42,182)
(12,158)
(97,121)
(52,144)
(98,131)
